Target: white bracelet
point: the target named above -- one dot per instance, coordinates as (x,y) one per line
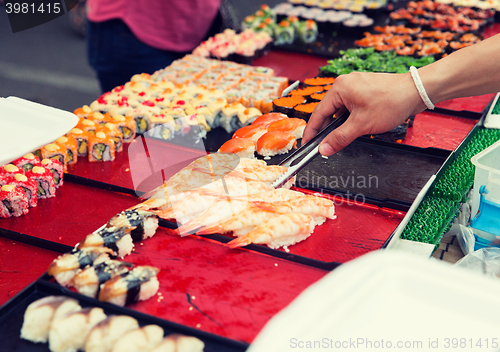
(420,88)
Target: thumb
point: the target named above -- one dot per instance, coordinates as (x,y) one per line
(339,138)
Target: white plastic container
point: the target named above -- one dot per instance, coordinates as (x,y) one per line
(492,120)
(487,167)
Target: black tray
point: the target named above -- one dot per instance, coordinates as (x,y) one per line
(12,313)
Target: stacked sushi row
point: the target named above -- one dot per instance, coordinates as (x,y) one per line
(478,4)
(286,31)
(26,180)
(93,270)
(342,16)
(352,5)
(228,45)
(270,134)
(302,101)
(68,327)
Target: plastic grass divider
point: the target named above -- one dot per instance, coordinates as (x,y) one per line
(433,217)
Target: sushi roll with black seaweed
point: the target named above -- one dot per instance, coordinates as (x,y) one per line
(66,266)
(13,201)
(39,315)
(138,284)
(114,238)
(44,179)
(140,223)
(56,169)
(284,33)
(101,147)
(27,161)
(89,280)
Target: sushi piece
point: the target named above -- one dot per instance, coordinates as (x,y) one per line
(70,143)
(284,33)
(127,126)
(142,117)
(55,151)
(198,125)
(44,179)
(229,120)
(88,281)
(56,169)
(319,81)
(267,119)
(293,125)
(254,132)
(83,112)
(28,185)
(27,162)
(141,224)
(113,131)
(40,313)
(82,141)
(13,201)
(139,340)
(10,170)
(247,116)
(101,147)
(65,267)
(139,284)
(86,125)
(308,31)
(216,107)
(162,127)
(99,119)
(180,343)
(304,111)
(106,333)
(243,147)
(285,105)
(275,143)
(114,238)
(69,331)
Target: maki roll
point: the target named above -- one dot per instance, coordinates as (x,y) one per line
(162,127)
(140,223)
(308,31)
(86,125)
(138,284)
(275,143)
(46,187)
(319,81)
(243,147)
(113,131)
(140,339)
(39,315)
(56,152)
(127,126)
(66,266)
(70,143)
(229,119)
(284,33)
(199,126)
(142,117)
(56,169)
(247,116)
(27,162)
(304,111)
(13,201)
(28,186)
(10,170)
(285,105)
(82,140)
(88,281)
(114,238)
(83,112)
(101,147)
(204,111)
(106,333)
(99,118)
(69,332)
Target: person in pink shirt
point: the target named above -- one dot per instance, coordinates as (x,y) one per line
(126,37)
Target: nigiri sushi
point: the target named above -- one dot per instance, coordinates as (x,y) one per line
(254,132)
(114,238)
(139,284)
(39,315)
(275,143)
(180,343)
(139,340)
(69,331)
(267,119)
(294,126)
(243,147)
(88,281)
(140,223)
(106,333)
(65,267)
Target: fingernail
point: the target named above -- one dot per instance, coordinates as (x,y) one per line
(325,149)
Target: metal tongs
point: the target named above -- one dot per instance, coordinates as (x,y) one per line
(307,152)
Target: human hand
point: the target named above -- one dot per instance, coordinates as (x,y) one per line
(377,102)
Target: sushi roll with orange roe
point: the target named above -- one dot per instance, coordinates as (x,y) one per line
(267,119)
(251,131)
(56,152)
(275,143)
(243,147)
(71,145)
(83,112)
(294,126)
(82,140)
(101,147)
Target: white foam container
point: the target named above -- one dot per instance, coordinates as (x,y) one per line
(27,126)
(487,165)
(394,297)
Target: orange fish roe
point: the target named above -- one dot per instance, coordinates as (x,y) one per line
(306,91)
(318,96)
(319,81)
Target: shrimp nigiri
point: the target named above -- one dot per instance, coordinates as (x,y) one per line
(310,205)
(293,125)
(275,143)
(279,231)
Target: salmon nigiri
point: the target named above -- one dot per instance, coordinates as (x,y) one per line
(275,143)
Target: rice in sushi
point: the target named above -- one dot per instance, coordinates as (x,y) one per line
(114,238)
(46,187)
(106,333)
(180,343)
(28,185)
(39,315)
(139,340)
(56,169)
(27,161)
(69,331)
(275,143)
(243,147)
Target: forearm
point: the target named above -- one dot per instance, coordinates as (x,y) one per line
(470,71)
